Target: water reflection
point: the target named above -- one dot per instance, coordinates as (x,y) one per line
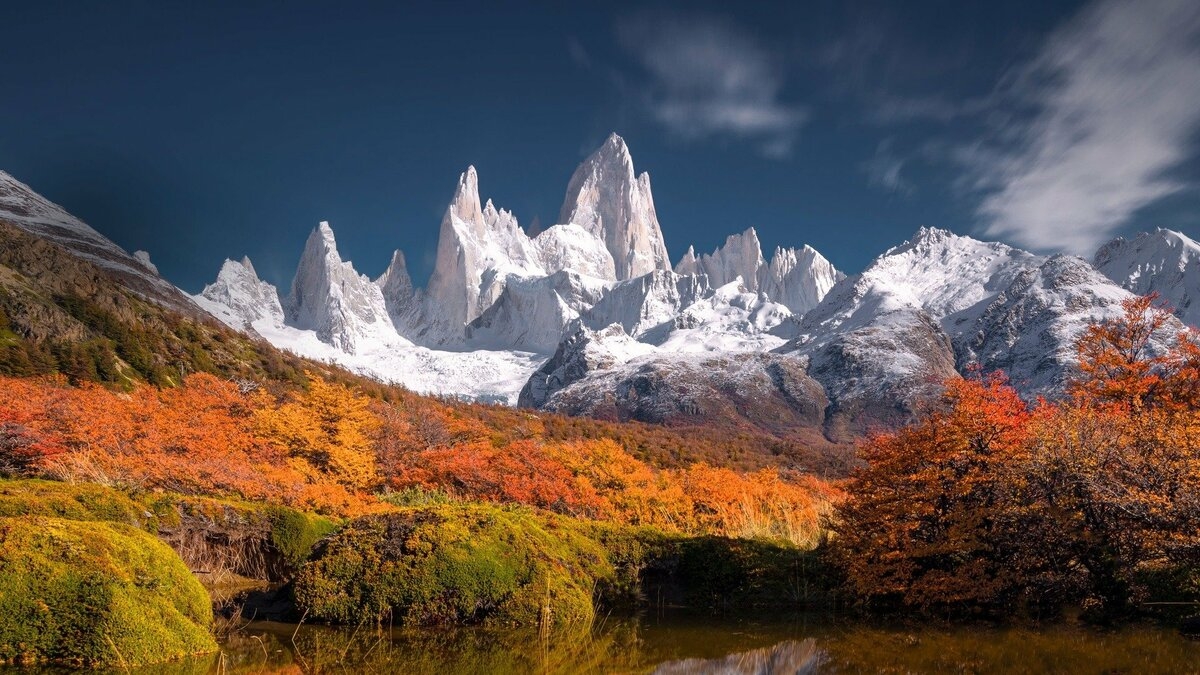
(677,645)
(786,658)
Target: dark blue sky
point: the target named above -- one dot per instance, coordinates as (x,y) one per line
(200,131)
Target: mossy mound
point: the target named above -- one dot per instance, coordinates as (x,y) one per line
(456,564)
(96,593)
(256,540)
(83,501)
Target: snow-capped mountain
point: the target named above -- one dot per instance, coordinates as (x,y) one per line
(610,375)
(329,297)
(941,303)
(501,298)
(588,317)
(1163,262)
(239,298)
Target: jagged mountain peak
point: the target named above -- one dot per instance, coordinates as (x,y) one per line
(740,256)
(606,197)
(329,297)
(239,298)
(465,202)
(614,147)
(396,276)
(238,268)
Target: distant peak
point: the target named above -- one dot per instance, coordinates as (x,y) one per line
(614,148)
(237,269)
(748,234)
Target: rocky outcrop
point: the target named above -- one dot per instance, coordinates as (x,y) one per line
(796,278)
(607,375)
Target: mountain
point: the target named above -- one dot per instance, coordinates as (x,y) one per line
(608,375)
(498,302)
(239,298)
(1163,262)
(587,317)
(328,296)
(478,249)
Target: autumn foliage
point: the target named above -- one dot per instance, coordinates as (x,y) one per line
(330,448)
(994,503)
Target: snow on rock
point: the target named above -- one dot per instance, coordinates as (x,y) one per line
(609,375)
(330,298)
(570,247)
(606,198)
(239,298)
(1030,330)
(531,314)
(478,249)
(796,278)
(583,352)
(731,319)
(646,307)
(143,257)
(740,257)
(940,304)
(1163,262)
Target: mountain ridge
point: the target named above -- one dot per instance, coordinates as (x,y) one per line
(562,321)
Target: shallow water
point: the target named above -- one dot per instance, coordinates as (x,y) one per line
(677,645)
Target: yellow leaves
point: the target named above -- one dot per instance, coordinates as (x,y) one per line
(329,429)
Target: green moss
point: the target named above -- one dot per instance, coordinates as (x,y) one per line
(253,539)
(84,501)
(456,564)
(96,593)
(294,533)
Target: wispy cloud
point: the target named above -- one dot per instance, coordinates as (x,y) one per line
(884,169)
(707,78)
(1108,108)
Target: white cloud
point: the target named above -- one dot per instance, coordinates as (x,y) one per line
(1110,105)
(707,78)
(884,169)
